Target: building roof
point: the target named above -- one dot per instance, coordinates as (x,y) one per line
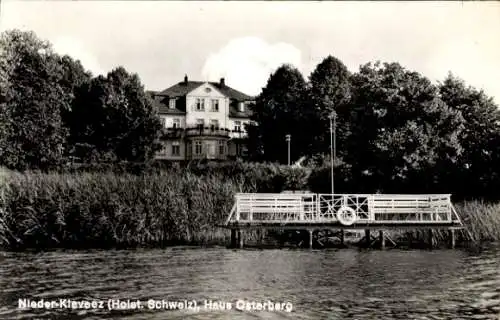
(161,105)
(183,88)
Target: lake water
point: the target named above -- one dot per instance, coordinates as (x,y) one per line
(322,284)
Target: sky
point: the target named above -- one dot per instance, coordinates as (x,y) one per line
(244,42)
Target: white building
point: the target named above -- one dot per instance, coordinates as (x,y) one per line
(203,120)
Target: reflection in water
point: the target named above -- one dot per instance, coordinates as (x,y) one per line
(327,284)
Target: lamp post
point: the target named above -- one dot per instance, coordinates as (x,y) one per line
(333,127)
(288,137)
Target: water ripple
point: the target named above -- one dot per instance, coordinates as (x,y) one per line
(326,284)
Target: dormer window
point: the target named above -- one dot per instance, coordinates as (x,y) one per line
(241,106)
(171,103)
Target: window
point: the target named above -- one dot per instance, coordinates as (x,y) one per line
(197,147)
(241,150)
(211,148)
(215,105)
(176,148)
(222,147)
(176,123)
(214,124)
(163,150)
(165,122)
(241,106)
(237,126)
(244,151)
(200,123)
(200,104)
(171,103)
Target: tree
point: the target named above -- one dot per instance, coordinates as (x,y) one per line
(73,79)
(477,169)
(74,75)
(31,98)
(278,111)
(402,131)
(329,91)
(113,119)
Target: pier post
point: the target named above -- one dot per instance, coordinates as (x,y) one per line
(240,238)
(281,239)
(310,232)
(382,239)
(341,236)
(233,238)
(410,239)
(430,237)
(261,237)
(452,238)
(368,238)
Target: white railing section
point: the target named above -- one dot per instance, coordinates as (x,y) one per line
(275,207)
(368,208)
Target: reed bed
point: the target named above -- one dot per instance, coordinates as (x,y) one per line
(168,207)
(103,210)
(482,219)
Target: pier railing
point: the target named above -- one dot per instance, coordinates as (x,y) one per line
(344,209)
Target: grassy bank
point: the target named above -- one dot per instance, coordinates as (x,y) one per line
(171,207)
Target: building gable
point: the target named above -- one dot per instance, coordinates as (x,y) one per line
(206,90)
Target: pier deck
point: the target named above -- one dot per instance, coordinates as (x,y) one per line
(308,211)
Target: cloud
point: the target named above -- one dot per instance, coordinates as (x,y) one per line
(76,50)
(468,60)
(247,62)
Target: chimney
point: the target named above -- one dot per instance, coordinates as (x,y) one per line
(185,79)
(222,82)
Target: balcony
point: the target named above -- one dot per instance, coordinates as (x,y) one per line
(180,133)
(173,133)
(238,134)
(207,132)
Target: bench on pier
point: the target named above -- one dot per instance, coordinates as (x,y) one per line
(286,206)
(310,208)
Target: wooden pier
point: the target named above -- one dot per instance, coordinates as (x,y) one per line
(341,212)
